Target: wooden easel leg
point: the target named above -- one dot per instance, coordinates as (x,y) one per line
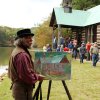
(49,88)
(66,89)
(36,94)
(40,93)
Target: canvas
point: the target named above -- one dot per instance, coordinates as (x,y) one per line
(53,65)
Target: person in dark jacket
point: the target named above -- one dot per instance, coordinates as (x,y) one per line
(75,51)
(49,48)
(21,67)
(82,52)
(71,46)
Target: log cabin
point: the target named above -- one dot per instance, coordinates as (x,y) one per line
(85,25)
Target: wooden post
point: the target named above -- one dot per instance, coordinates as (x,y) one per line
(59,34)
(92,34)
(52,37)
(88,34)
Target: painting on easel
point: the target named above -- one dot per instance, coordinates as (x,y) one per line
(53,65)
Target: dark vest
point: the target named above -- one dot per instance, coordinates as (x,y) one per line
(12,73)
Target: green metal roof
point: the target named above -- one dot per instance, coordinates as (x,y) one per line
(94,16)
(76,18)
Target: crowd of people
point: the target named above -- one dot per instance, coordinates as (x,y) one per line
(88,51)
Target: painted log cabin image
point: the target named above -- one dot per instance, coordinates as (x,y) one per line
(54,65)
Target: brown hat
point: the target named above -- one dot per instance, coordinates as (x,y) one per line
(23,33)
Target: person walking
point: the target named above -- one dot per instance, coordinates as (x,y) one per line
(88,46)
(21,67)
(95,54)
(82,52)
(92,44)
(75,51)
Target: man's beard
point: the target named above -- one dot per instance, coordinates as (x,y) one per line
(24,44)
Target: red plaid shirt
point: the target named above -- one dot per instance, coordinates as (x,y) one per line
(24,68)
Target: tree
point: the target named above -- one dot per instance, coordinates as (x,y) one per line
(43,34)
(84,4)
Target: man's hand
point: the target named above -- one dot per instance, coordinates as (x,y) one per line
(41,77)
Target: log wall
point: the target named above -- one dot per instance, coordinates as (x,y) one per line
(98,36)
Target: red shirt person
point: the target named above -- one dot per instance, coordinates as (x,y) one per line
(88,45)
(66,49)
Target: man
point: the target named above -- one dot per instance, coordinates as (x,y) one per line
(54,42)
(92,45)
(82,52)
(95,54)
(70,46)
(88,46)
(21,68)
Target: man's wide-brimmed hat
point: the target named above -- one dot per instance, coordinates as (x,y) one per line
(24,33)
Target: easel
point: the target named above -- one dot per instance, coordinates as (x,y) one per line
(39,90)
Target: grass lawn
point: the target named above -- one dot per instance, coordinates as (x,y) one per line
(84,84)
